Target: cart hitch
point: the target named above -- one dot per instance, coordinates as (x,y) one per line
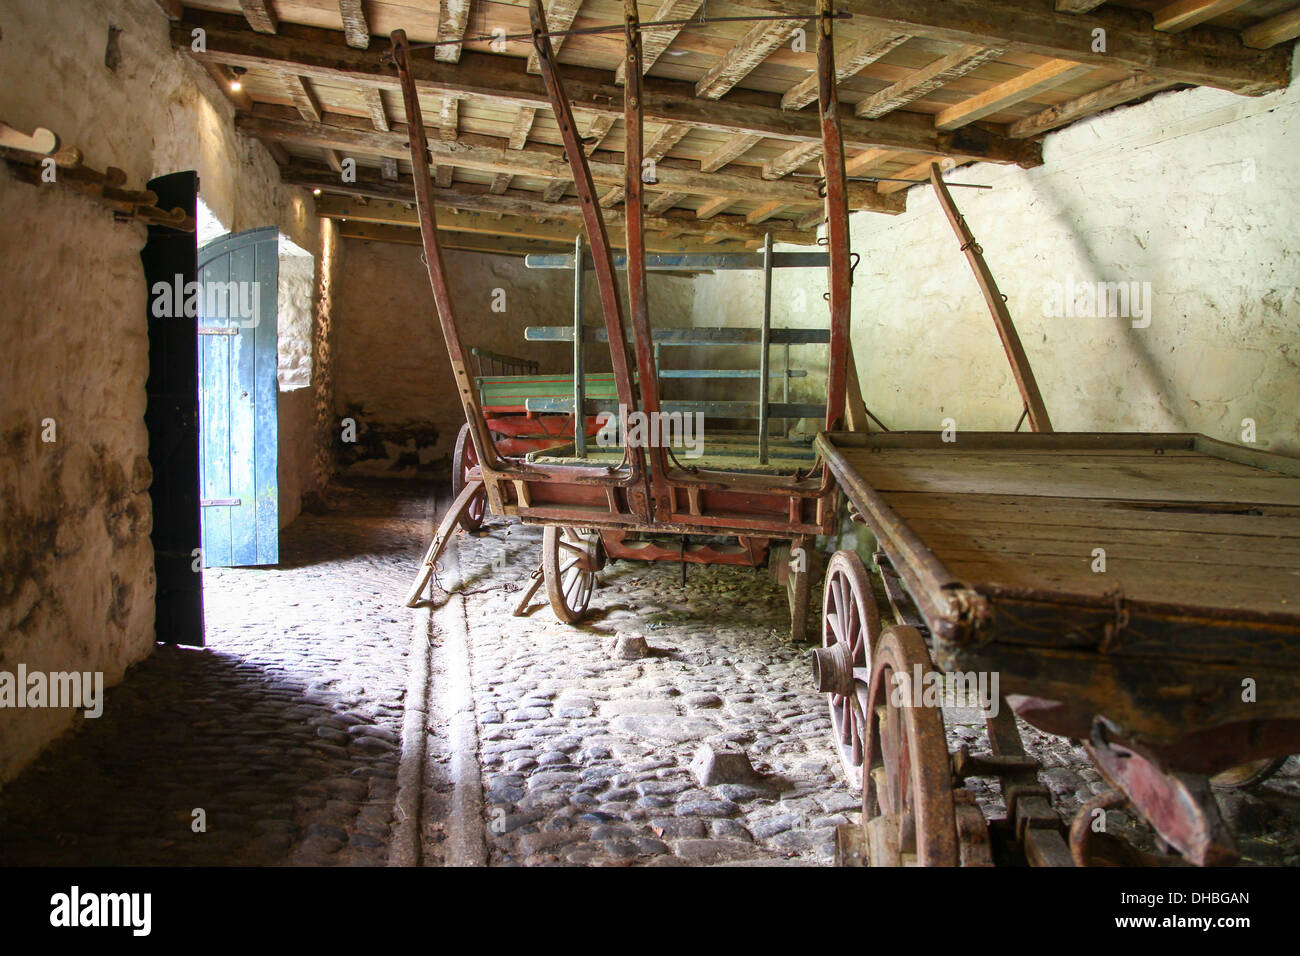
(1180,806)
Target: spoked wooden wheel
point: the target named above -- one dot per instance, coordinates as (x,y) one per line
(464,458)
(570,560)
(842,665)
(907,799)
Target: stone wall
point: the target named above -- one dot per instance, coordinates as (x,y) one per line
(1195,192)
(393,377)
(76,564)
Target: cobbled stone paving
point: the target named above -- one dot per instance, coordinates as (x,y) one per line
(586,757)
(284,730)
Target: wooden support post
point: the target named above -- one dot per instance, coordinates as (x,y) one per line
(579,371)
(765,347)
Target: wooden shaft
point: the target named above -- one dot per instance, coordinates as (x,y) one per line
(1020,368)
(602,259)
(442,297)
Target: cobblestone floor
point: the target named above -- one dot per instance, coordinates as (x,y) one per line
(284,730)
(586,758)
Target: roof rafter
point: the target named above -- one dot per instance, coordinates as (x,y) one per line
(1028,84)
(356,29)
(654,42)
(1205,56)
(751,50)
(489,154)
(849,62)
(453,15)
(922,82)
(314,53)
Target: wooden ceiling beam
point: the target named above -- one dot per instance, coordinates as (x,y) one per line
(1077,6)
(260,16)
(859,164)
(751,50)
(1204,56)
(919,171)
(555,191)
(559,17)
(476,197)
(1279,29)
(522,127)
(356,29)
(597,130)
(489,154)
(790,160)
(388,168)
(849,62)
(303,96)
(1027,85)
(654,42)
(509,244)
(665,201)
(712,207)
(764,212)
(374,100)
(732,149)
(1124,91)
(922,82)
(453,15)
(400,211)
(1185,14)
(319,53)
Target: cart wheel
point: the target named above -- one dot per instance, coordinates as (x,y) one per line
(569,563)
(907,799)
(842,665)
(463,459)
(1247,774)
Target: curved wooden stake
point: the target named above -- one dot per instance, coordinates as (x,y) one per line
(602,259)
(440,539)
(1033,399)
(487,454)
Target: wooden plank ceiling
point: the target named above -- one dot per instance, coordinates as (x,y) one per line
(730,107)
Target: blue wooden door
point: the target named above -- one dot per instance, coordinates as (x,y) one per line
(238,278)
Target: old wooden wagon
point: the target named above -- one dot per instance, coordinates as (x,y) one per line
(1140,593)
(594,508)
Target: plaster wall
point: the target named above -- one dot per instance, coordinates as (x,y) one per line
(76,563)
(1193,195)
(393,377)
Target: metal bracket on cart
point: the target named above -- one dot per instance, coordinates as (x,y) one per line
(1179,806)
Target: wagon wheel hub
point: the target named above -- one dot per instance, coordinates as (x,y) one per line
(832,669)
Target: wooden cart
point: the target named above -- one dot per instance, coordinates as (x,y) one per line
(1140,593)
(592,507)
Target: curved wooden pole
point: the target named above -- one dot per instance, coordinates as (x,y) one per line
(1020,368)
(442,298)
(603,262)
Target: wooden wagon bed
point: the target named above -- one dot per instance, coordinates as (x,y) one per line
(1140,576)
(1140,593)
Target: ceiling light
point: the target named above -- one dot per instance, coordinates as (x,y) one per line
(236,84)
(315,192)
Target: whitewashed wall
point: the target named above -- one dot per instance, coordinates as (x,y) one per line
(1195,192)
(76,564)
